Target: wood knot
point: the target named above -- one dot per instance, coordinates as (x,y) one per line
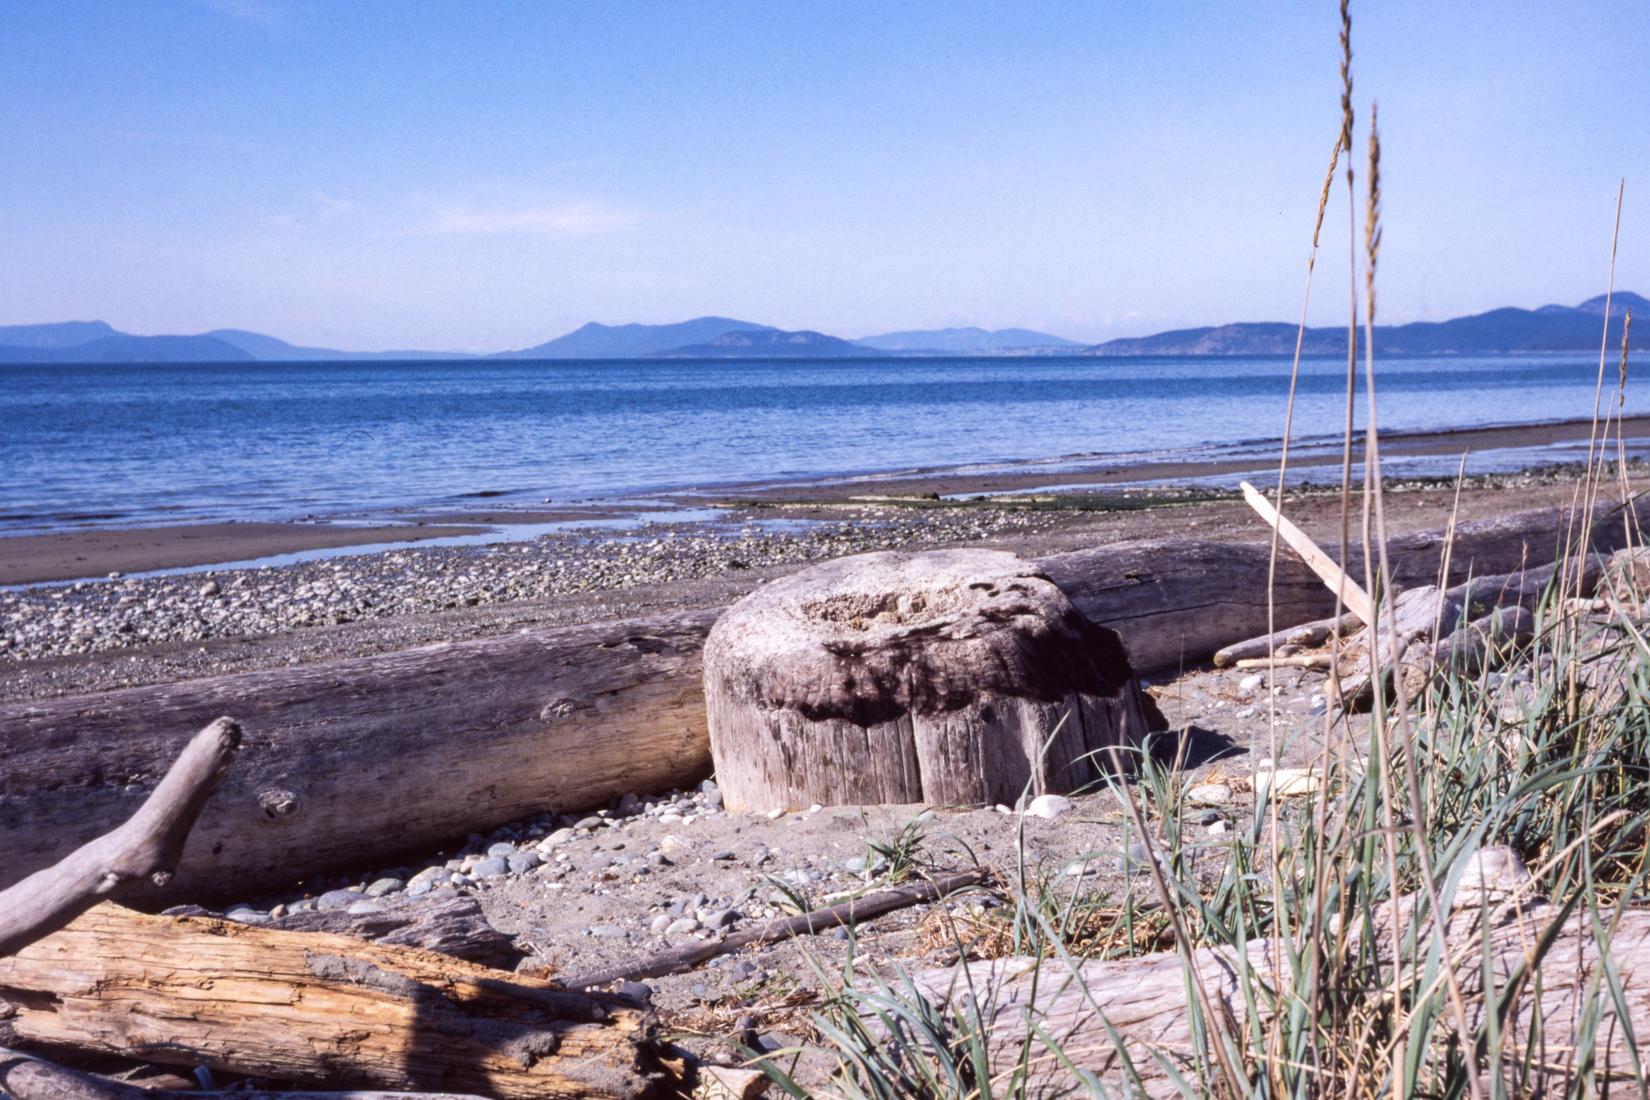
(276,802)
(557,708)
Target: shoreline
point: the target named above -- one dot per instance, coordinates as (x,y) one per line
(91,554)
(97,553)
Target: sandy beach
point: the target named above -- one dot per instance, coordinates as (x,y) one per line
(596,888)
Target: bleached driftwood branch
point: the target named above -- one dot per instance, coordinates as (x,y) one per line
(146,848)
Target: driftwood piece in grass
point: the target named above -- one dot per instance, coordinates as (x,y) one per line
(1306,634)
(950,677)
(360,759)
(854,911)
(25,1077)
(319,1008)
(1089,1008)
(1469,628)
(147,847)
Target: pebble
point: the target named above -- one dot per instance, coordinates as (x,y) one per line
(424,881)
(1050,806)
(1251,682)
(337,899)
(1209,794)
(120,612)
(383,886)
(491,867)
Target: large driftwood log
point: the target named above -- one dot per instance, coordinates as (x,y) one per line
(355,760)
(320,1008)
(147,847)
(952,677)
(1088,1008)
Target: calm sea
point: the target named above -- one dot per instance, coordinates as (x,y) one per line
(145,443)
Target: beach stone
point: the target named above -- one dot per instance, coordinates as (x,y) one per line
(337,899)
(682,926)
(502,850)
(210,588)
(424,881)
(660,923)
(387,885)
(1209,794)
(1050,806)
(491,867)
(522,862)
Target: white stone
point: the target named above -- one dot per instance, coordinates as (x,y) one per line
(1209,794)
(1252,681)
(1050,806)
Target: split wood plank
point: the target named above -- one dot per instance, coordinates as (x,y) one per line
(1355,598)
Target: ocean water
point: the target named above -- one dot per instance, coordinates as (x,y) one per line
(127,444)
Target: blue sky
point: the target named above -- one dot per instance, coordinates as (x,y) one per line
(374,175)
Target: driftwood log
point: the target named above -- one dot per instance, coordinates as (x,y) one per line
(1087,1008)
(23,1077)
(359,759)
(319,1008)
(951,677)
(356,760)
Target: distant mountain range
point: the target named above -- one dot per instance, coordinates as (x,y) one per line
(1500,331)
(1550,328)
(772,343)
(966,341)
(597,341)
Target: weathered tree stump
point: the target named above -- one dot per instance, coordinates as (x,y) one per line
(952,677)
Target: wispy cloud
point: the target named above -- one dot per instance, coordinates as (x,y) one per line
(581,218)
(329,205)
(262,13)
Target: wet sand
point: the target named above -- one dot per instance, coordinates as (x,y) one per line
(69,555)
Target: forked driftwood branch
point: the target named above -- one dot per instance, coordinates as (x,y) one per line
(680,959)
(146,848)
